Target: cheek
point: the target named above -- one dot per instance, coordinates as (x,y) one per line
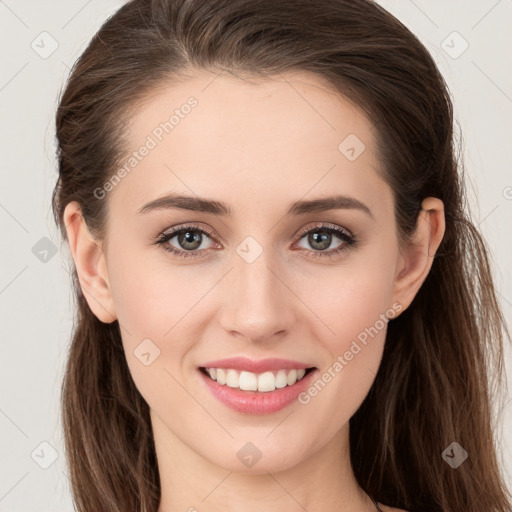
(153,305)
(362,303)
(351,298)
(353,303)
(151,298)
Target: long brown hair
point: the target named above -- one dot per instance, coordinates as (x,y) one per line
(442,366)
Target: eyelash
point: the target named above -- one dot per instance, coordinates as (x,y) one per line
(349,240)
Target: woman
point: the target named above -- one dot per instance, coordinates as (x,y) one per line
(282,302)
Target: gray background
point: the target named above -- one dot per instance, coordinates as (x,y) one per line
(35,294)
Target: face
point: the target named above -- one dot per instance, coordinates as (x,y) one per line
(251,275)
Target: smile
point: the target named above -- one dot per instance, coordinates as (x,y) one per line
(249,381)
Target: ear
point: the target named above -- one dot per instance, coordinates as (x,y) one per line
(416,259)
(90,264)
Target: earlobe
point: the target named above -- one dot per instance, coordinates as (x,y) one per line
(416,260)
(90,264)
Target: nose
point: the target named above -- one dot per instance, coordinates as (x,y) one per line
(258,303)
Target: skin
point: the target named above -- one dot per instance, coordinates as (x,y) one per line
(258,147)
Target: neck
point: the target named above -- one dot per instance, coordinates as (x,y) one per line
(324,482)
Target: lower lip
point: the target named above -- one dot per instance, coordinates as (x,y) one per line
(257,402)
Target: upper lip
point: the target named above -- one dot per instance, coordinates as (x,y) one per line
(256,366)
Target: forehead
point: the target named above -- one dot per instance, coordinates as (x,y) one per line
(217,134)
(294,104)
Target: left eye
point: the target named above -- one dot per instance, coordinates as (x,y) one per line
(320,238)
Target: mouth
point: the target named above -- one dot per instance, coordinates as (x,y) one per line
(257,393)
(264,382)
(256,386)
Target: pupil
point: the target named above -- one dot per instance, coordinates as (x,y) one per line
(323,238)
(190,240)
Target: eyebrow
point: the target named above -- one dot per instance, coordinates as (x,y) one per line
(218,208)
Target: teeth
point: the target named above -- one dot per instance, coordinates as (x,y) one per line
(232,378)
(249,381)
(281,380)
(221,376)
(292,377)
(266,382)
